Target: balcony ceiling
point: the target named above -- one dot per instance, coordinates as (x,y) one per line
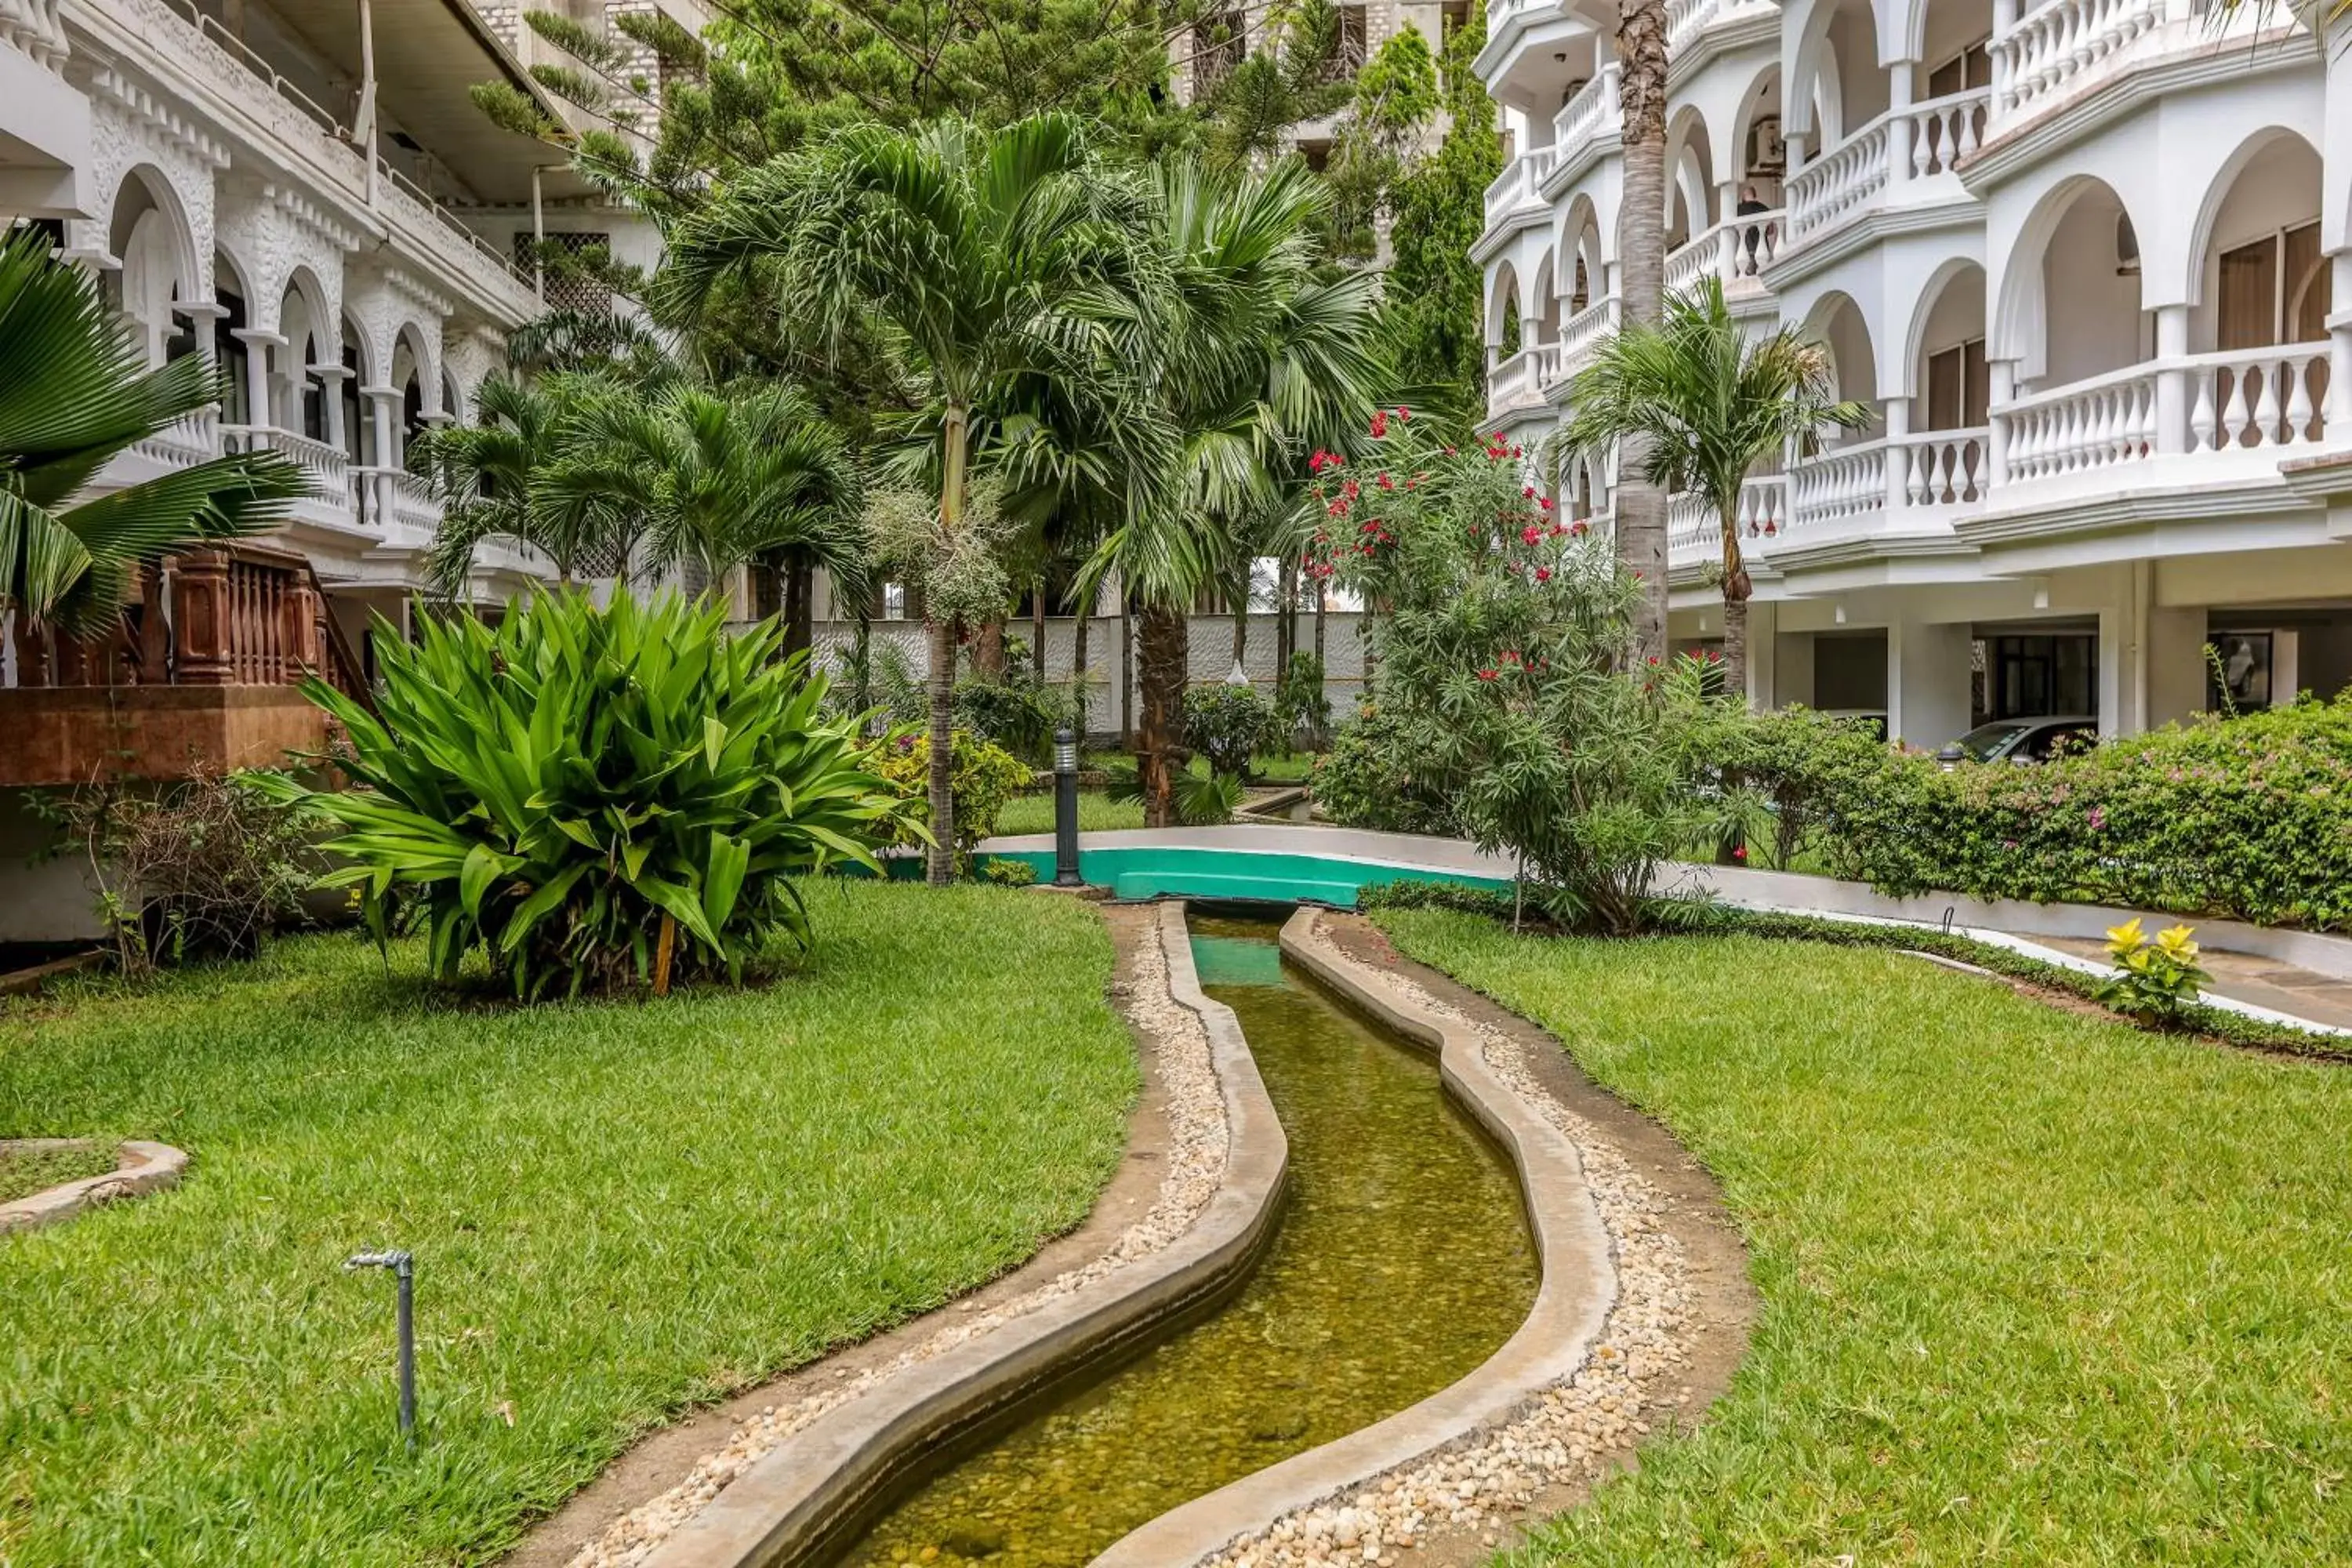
(428,53)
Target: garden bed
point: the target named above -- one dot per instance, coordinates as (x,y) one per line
(2034,1286)
(620,1211)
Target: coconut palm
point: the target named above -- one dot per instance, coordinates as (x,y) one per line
(1706,404)
(493,479)
(718,480)
(1639,507)
(989,261)
(74,390)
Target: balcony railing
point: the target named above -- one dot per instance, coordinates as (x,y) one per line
(1518,185)
(1582,332)
(36,28)
(1868,168)
(189,439)
(1518,381)
(241,616)
(326,468)
(2206,409)
(1901,481)
(1595,110)
(1736,249)
(1694,533)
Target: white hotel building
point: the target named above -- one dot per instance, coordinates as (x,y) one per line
(2083,258)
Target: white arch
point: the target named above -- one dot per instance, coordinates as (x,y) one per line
(1502,297)
(2216,194)
(2018,325)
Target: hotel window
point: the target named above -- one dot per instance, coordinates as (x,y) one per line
(1960,387)
(2272,290)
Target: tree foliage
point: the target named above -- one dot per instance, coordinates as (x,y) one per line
(1432,302)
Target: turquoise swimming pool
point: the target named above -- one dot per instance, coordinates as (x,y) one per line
(1139,871)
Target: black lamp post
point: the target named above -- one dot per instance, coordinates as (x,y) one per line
(1066,810)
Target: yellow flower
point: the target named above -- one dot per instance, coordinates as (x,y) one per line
(2125,938)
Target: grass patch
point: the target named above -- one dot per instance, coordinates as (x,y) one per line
(2036,1288)
(1097,812)
(24,1172)
(619,1210)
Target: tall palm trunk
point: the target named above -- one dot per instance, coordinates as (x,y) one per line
(1126,669)
(939,862)
(1166,651)
(1322,607)
(800,594)
(1037,633)
(1641,507)
(1078,664)
(1240,632)
(1736,591)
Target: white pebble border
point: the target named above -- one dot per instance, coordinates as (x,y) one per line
(1480,1484)
(1196,1165)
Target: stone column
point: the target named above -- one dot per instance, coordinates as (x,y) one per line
(2002,376)
(2174,395)
(1927,683)
(384,403)
(1897,412)
(1898,123)
(2339,347)
(259,411)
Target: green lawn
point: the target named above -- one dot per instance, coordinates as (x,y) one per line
(1034,813)
(2037,1288)
(618,1209)
(24,1172)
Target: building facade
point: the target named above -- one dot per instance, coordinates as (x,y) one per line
(2081,258)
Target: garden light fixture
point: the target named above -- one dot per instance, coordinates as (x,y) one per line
(1066,810)
(403,1273)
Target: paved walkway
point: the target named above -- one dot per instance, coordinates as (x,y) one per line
(2256,981)
(2296,977)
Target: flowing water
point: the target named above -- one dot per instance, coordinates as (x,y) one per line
(1402,1262)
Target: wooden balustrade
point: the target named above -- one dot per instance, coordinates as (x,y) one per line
(241,616)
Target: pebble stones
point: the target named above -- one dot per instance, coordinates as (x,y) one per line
(1196,1165)
(1478,1485)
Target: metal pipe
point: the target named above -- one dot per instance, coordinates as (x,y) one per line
(1066,810)
(403,1273)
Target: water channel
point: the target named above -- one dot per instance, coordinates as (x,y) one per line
(1402,1262)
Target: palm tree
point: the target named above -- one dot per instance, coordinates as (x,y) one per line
(1707,404)
(1639,505)
(493,479)
(991,260)
(1256,357)
(74,390)
(719,478)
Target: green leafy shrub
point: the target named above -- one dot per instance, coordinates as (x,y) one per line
(1228,725)
(2157,981)
(2249,818)
(1803,767)
(1201,799)
(1366,780)
(981,777)
(1013,713)
(1300,707)
(1008,873)
(591,796)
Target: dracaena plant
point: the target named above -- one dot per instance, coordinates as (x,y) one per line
(594,798)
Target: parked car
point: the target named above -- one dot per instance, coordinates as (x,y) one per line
(2021,739)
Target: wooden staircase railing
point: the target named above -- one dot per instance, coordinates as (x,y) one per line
(243,615)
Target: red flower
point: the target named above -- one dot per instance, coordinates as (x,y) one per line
(1488,674)
(1530,492)
(1319,462)
(1404,412)
(1529,534)
(1654,659)
(1545,503)
(1510,656)
(1517,453)
(1449,451)
(1578,528)
(1386,483)
(1740,852)
(1349,489)
(1379,424)
(1543,573)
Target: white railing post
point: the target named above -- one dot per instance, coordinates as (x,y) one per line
(1898,454)
(2171,379)
(2002,374)
(1898,123)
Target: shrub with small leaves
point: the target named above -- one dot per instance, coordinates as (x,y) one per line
(983,777)
(1007,873)
(1228,724)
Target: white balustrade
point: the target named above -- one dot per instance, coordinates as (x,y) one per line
(1582,332)
(2258,398)
(414,504)
(1514,188)
(1593,112)
(1734,248)
(1848,482)
(2103,421)
(1764,506)
(2050,47)
(1945,130)
(35,27)
(189,439)
(1841,181)
(1694,529)
(1686,19)
(1944,468)
(326,470)
(1512,383)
